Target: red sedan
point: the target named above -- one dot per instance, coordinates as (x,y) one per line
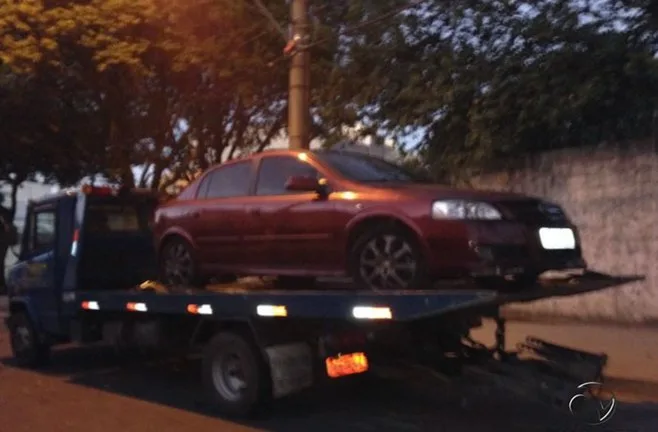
(303,215)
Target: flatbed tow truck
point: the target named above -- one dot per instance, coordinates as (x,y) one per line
(73,284)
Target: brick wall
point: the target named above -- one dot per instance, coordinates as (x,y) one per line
(611,192)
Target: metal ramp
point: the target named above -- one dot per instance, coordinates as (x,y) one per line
(540,371)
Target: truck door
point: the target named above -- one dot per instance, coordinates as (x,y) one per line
(36,273)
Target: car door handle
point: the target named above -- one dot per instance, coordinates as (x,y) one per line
(255,212)
(196,214)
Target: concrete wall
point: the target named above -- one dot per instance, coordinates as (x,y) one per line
(611,192)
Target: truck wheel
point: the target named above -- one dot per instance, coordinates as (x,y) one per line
(387,257)
(235,375)
(26,347)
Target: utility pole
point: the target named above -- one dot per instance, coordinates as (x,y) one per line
(299,115)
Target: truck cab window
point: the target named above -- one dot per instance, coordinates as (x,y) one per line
(41,234)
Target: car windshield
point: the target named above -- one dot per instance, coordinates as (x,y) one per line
(367,169)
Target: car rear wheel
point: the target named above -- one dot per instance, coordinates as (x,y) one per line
(388,258)
(178,265)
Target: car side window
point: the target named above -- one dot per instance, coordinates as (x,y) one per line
(41,232)
(229,181)
(275,171)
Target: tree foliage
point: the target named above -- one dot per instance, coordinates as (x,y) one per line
(101,86)
(495,79)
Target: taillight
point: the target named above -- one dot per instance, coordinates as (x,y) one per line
(98,190)
(74,242)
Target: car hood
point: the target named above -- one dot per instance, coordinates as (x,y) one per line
(435,191)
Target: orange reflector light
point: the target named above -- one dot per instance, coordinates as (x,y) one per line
(346,364)
(369,312)
(90,305)
(271,311)
(205,309)
(136,307)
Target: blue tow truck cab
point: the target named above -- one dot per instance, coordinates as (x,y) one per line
(86,274)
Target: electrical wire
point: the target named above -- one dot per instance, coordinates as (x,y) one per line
(376,20)
(266,12)
(383,17)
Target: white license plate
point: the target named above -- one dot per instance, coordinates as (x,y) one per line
(557,238)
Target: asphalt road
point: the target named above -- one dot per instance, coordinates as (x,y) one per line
(88,389)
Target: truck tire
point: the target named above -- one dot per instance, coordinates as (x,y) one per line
(26,344)
(235,375)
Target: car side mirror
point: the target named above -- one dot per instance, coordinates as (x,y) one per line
(306,184)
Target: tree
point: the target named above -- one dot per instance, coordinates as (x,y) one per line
(493,80)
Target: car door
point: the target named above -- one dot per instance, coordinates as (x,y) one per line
(288,231)
(220,215)
(35,272)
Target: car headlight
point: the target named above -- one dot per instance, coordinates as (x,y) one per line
(462,209)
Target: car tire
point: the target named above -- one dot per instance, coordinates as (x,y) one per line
(401,255)
(177,264)
(235,375)
(27,346)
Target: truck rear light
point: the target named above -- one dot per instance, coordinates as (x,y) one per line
(271,311)
(346,364)
(204,309)
(372,313)
(98,190)
(136,307)
(90,305)
(74,242)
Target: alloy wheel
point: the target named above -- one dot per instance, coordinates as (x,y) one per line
(178,265)
(388,262)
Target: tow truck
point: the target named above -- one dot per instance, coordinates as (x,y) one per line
(86,275)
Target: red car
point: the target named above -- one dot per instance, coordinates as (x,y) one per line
(303,215)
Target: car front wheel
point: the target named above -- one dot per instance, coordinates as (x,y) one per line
(388,258)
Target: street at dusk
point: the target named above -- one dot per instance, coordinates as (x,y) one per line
(87,391)
(328,215)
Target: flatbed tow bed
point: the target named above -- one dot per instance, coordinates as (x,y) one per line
(288,340)
(246,300)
